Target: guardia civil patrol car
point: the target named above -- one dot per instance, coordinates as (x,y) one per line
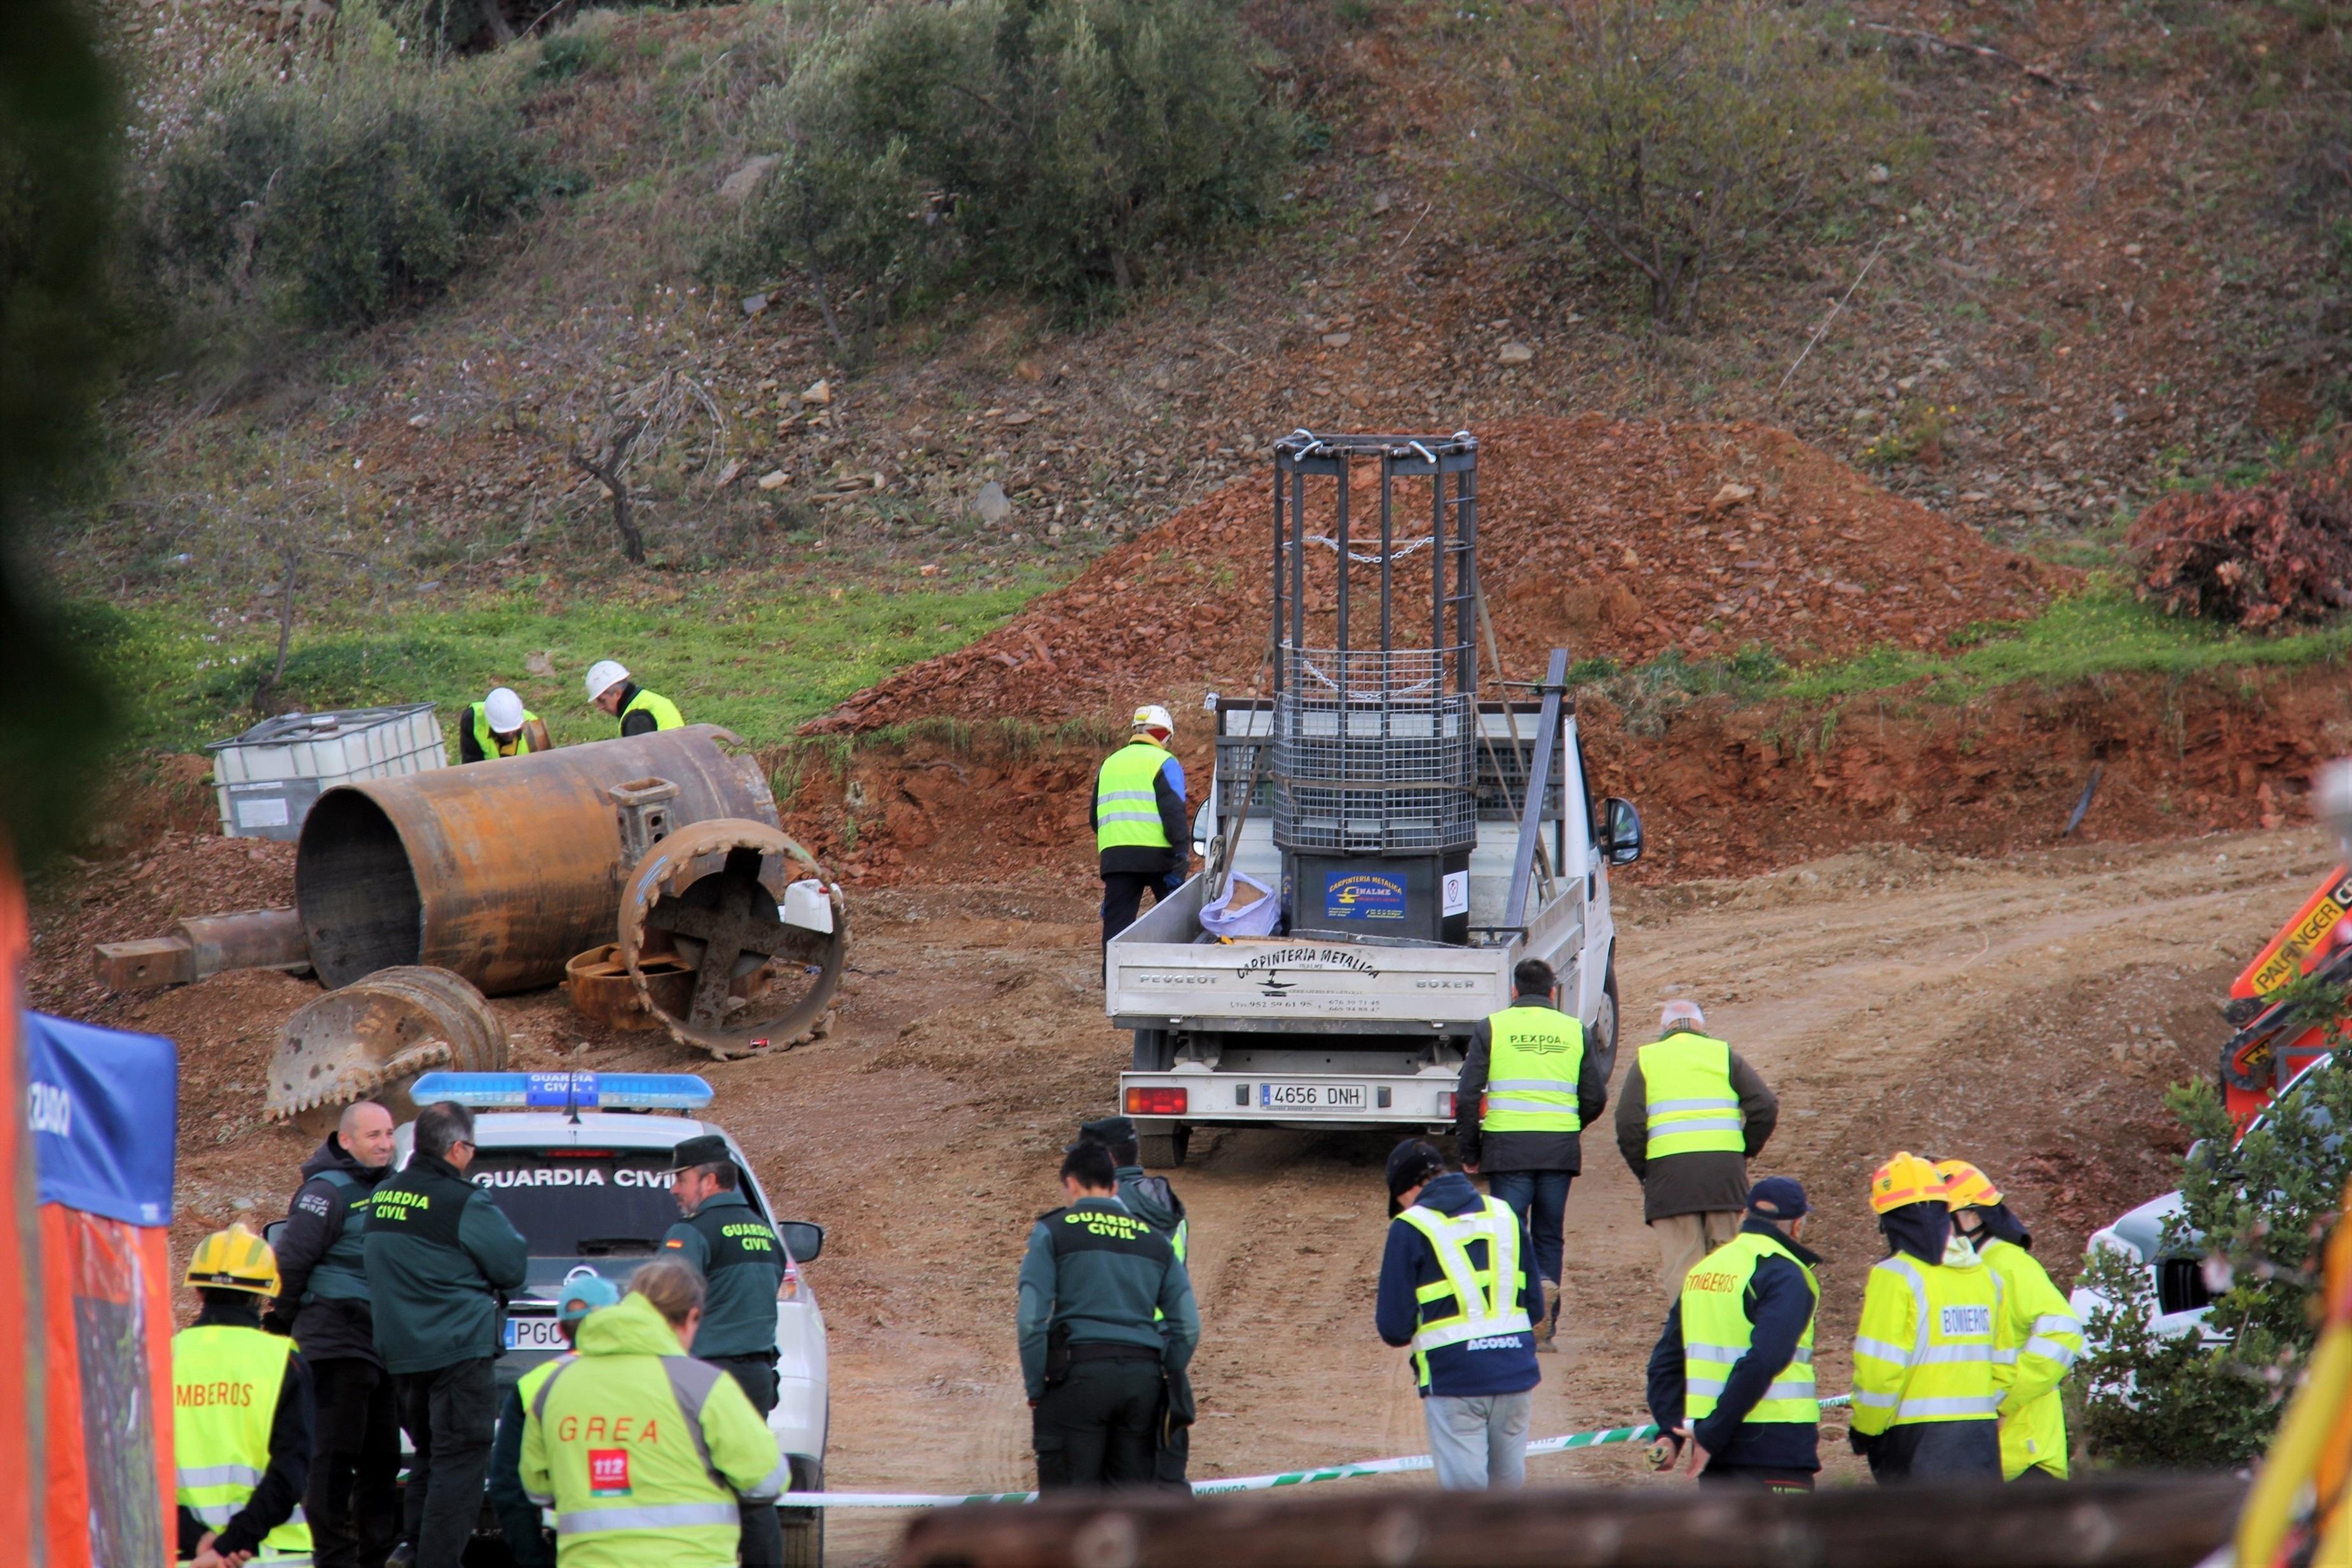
(578,1162)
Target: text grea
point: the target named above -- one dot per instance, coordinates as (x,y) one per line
(573,1175)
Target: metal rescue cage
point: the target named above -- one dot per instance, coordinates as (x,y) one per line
(1374,745)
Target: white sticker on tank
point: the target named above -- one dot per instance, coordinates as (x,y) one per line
(1457,893)
(268,813)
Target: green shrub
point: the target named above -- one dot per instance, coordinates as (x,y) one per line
(1678,139)
(1062,148)
(2260,1213)
(350,195)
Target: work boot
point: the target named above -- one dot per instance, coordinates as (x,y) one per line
(1547,1326)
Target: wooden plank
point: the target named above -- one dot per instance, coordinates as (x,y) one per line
(2146,1522)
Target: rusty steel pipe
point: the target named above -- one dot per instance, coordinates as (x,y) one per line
(497,871)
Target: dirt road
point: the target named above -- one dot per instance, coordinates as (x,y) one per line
(2026,1012)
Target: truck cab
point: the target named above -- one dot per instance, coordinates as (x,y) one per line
(1329,1022)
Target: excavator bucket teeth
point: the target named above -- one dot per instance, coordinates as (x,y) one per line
(370,1036)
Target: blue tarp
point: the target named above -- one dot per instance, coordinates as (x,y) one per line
(104,1110)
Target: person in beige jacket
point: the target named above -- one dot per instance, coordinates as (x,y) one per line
(1691,1116)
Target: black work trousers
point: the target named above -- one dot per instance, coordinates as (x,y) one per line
(1100,1427)
(450,1415)
(353,1499)
(1123,893)
(763,1532)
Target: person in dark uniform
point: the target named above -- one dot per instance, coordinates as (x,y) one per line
(1107,1314)
(1152,1200)
(741,1261)
(352,1502)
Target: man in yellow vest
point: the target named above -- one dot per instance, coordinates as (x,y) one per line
(1138,816)
(1732,1376)
(2038,1338)
(240,1415)
(1925,1399)
(499,726)
(641,712)
(645,1454)
(518,1516)
(1528,1088)
(1690,1117)
(1456,1286)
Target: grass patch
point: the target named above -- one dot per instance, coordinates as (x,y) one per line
(760,663)
(2103,631)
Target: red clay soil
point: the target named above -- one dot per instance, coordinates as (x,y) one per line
(1607,536)
(1724,791)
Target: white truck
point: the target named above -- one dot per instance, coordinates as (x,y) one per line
(1330,1031)
(1405,844)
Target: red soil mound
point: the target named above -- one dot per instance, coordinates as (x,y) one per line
(1606,537)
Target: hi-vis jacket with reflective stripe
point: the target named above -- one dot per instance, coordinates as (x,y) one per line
(1925,1349)
(2035,1345)
(224,1386)
(644,1452)
(1127,807)
(1535,1055)
(1692,1106)
(1716,1333)
(1481,1295)
(645,705)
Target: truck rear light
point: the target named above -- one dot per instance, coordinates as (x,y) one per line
(1157,1101)
(1446,1105)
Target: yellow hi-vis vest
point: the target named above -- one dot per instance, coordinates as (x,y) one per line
(1924,1350)
(665,712)
(1127,807)
(1532,1064)
(2034,1346)
(1488,1302)
(225,1384)
(1716,1333)
(1691,1104)
(487,738)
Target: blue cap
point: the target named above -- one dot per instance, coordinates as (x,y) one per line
(1777,1197)
(588,1294)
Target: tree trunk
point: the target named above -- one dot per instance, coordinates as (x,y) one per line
(632,543)
(266,690)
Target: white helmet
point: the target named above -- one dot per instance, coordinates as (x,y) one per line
(604,675)
(1680,1011)
(1151,715)
(503,709)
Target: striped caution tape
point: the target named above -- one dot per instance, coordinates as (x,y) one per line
(1219,1485)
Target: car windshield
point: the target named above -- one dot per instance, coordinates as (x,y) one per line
(610,1206)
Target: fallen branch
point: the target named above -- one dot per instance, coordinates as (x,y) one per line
(2050,80)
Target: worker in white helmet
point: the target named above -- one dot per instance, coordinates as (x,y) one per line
(499,726)
(1138,821)
(1691,1116)
(641,712)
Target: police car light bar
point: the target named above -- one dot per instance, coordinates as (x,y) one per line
(564,1090)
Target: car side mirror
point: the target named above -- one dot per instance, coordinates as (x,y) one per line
(802,1239)
(1620,831)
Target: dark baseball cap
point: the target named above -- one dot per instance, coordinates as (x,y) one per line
(709,1149)
(1110,1132)
(1777,1197)
(1411,1164)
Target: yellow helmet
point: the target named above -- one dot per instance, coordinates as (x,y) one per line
(1965,1186)
(1904,1179)
(235,1259)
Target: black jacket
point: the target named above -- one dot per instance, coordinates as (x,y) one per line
(635,723)
(1524,1151)
(325,1329)
(274,1501)
(1779,1303)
